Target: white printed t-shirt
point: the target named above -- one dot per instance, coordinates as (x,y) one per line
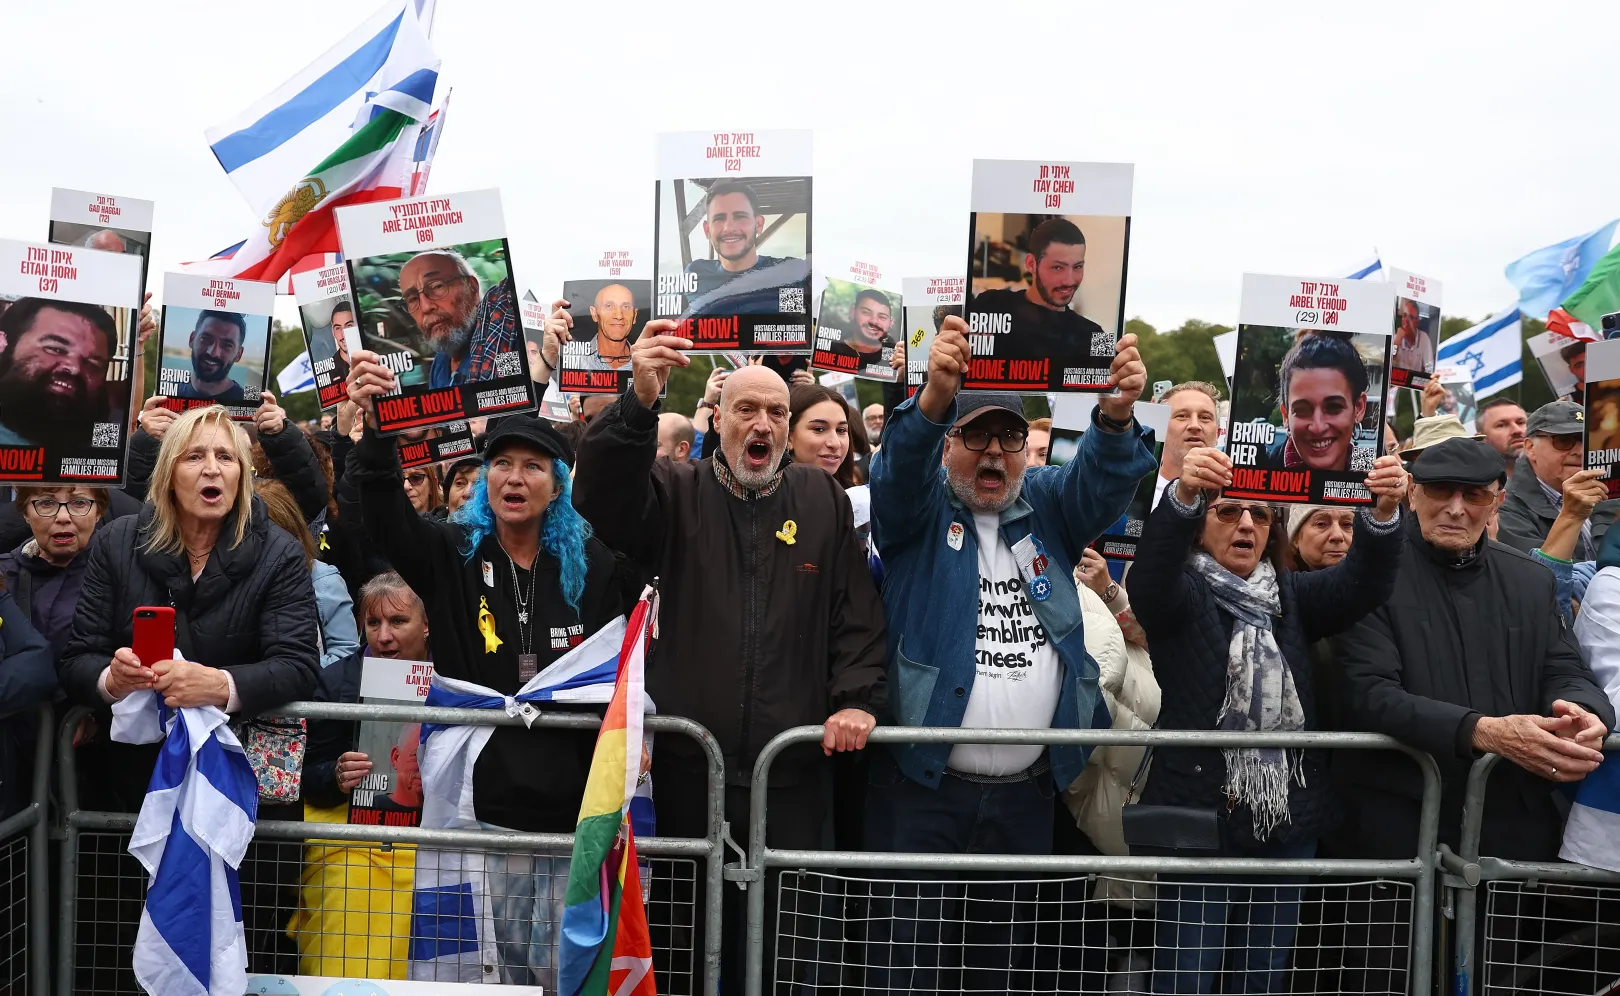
(1017,676)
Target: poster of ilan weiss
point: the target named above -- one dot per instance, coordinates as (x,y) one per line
(67,346)
(1047,245)
(432,277)
(731,239)
(1308,390)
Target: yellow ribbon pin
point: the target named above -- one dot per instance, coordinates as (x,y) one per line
(486,626)
(787,532)
(324,545)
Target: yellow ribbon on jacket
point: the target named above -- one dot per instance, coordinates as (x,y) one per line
(486,626)
(787,532)
(324,545)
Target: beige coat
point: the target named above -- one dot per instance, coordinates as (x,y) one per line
(1132,694)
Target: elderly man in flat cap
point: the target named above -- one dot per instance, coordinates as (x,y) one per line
(1468,656)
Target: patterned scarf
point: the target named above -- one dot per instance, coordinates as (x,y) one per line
(1260,693)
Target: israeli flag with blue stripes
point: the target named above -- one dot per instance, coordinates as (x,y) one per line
(1491,352)
(452,916)
(1592,833)
(1372,269)
(192,833)
(386,62)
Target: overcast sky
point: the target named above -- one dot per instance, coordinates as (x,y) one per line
(1279,137)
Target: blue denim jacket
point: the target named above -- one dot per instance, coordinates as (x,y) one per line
(931,591)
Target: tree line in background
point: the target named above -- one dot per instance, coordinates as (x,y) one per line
(1179,354)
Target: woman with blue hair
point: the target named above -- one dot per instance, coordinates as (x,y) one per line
(511,582)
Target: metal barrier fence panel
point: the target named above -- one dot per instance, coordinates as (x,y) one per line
(336,899)
(881,922)
(24,873)
(1549,926)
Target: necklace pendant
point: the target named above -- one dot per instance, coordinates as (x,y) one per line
(523,617)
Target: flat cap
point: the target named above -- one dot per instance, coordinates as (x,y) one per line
(1459,460)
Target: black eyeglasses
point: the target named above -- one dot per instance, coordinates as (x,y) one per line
(1232,511)
(46,508)
(978,440)
(416,480)
(1562,442)
(1473,494)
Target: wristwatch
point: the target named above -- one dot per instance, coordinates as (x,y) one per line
(1111,592)
(706,403)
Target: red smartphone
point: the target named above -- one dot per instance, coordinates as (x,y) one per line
(154,634)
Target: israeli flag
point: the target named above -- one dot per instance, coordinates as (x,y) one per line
(1592,833)
(452,915)
(386,62)
(1490,352)
(191,835)
(296,376)
(1370,269)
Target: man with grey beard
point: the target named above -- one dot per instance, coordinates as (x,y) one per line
(769,618)
(979,559)
(441,293)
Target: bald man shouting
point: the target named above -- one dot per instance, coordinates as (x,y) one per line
(769,619)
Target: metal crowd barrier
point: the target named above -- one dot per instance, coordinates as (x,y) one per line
(686,873)
(833,908)
(1550,926)
(25,939)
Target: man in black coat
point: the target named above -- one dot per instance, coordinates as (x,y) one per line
(1470,655)
(769,619)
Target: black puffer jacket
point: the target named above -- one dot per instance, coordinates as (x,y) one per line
(1189,634)
(251,612)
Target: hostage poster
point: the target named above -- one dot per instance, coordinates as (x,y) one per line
(1308,394)
(731,239)
(1416,331)
(929,301)
(215,340)
(391,795)
(67,347)
(432,277)
(326,310)
(1602,414)
(857,323)
(609,307)
(1047,247)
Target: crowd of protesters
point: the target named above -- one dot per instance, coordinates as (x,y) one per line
(918,562)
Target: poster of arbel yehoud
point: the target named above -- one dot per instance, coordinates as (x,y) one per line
(391,794)
(216,342)
(432,277)
(1047,244)
(929,301)
(1308,390)
(326,310)
(858,322)
(67,338)
(609,307)
(731,239)
(1602,411)
(1417,329)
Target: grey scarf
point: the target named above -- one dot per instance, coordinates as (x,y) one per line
(1260,693)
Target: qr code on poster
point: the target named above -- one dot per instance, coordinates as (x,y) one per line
(1361,458)
(508,364)
(790,300)
(1102,342)
(104,436)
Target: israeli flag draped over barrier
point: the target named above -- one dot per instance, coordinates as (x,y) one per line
(191,835)
(452,921)
(1492,352)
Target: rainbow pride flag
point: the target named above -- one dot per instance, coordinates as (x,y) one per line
(605,949)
